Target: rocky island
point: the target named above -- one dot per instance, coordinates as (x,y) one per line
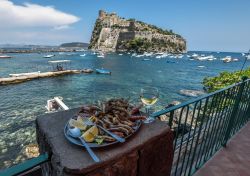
(113,33)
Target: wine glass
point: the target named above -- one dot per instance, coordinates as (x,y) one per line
(149,96)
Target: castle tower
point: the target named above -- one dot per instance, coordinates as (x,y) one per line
(102,14)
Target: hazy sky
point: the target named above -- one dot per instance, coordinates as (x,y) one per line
(215,25)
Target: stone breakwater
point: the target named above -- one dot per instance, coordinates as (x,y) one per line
(20,79)
(113,33)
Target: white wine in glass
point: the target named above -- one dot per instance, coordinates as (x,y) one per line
(149,96)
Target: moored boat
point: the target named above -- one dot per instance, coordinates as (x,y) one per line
(5,57)
(103,71)
(49,56)
(87,70)
(24,74)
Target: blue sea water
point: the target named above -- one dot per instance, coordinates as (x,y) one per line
(21,103)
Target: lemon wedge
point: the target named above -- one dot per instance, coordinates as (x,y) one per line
(89,135)
(78,124)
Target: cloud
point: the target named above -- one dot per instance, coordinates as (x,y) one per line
(33,15)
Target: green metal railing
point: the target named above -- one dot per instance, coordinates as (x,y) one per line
(203,125)
(26,166)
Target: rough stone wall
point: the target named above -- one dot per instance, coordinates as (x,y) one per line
(116,31)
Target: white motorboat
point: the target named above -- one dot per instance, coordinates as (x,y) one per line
(82,55)
(148,54)
(24,74)
(194,56)
(56,104)
(140,55)
(202,58)
(227,59)
(49,56)
(5,57)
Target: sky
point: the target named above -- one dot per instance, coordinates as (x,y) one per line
(207,25)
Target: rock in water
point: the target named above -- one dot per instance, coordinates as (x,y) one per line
(191,93)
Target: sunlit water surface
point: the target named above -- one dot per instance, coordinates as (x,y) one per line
(20,104)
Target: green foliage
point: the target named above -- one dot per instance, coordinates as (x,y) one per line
(138,45)
(224,79)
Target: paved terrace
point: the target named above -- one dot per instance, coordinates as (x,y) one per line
(234,160)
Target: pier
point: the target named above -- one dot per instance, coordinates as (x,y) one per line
(24,78)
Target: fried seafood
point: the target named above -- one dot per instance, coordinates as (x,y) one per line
(115,115)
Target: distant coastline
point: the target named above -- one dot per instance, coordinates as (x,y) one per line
(65,47)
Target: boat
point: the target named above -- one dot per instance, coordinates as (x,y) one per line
(5,57)
(146,60)
(103,71)
(101,55)
(227,59)
(120,54)
(87,70)
(203,58)
(179,56)
(134,55)
(201,66)
(49,56)
(148,54)
(24,74)
(194,56)
(140,55)
(82,55)
(55,104)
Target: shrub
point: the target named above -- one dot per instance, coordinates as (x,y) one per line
(224,79)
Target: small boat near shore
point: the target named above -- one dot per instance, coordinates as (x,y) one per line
(87,70)
(5,57)
(56,104)
(103,71)
(49,56)
(24,74)
(83,55)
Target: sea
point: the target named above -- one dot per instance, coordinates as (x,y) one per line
(20,104)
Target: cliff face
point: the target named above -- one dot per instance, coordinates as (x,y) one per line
(113,33)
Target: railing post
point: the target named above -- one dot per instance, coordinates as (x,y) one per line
(234,113)
(170,123)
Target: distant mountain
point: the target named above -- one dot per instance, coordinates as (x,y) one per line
(24,46)
(75,44)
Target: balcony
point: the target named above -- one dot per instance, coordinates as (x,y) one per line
(211,135)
